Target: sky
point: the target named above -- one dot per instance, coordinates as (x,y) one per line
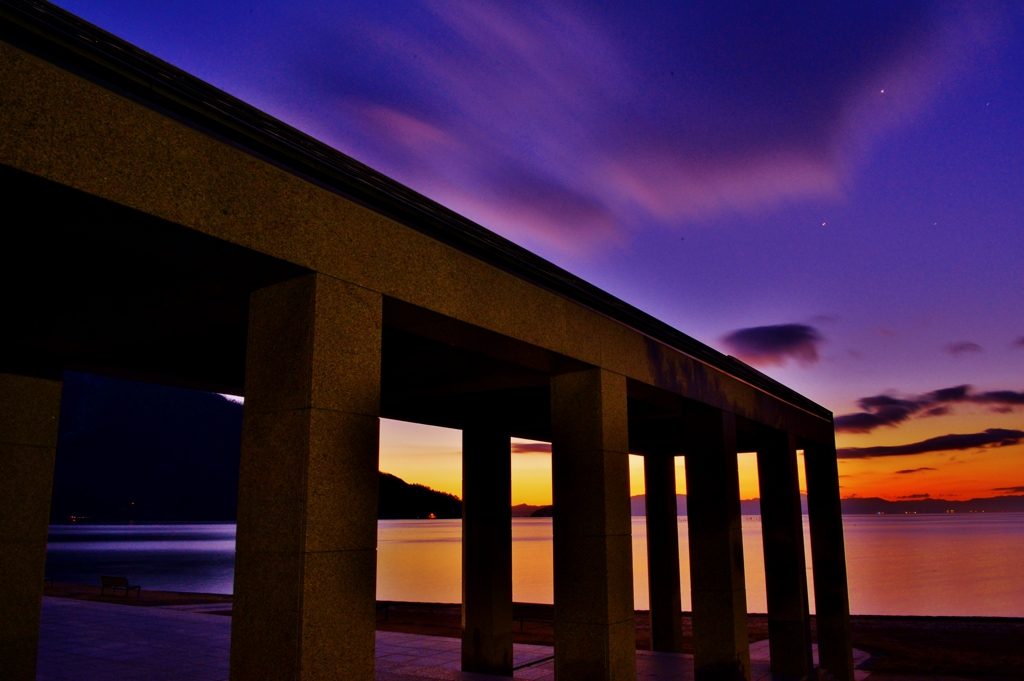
(833,192)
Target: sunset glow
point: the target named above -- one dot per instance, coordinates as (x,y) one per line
(432,456)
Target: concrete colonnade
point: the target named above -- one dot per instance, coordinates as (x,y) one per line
(305,579)
(593,578)
(306,560)
(487,548)
(308,492)
(29,411)
(719,616)
(306,553)
(595,636)
(789,623)
(664,590)
(828,558)
(717,587)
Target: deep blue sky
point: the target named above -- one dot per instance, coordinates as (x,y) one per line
(851,170)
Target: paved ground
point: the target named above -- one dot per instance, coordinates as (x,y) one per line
(88,641)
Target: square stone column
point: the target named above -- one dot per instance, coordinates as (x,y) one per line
(305,566)
(487,550)
(828,556)
(595,632)
(718,593)
(789,623)
(663,553)
(29,408)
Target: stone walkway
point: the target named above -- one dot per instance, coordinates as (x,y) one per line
(87,641)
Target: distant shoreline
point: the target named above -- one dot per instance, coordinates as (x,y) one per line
(852,506)
(82,521)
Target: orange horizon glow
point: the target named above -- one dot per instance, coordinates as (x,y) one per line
(953,475)
(432,456)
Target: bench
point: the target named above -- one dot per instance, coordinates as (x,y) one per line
(115,583)
(535,612)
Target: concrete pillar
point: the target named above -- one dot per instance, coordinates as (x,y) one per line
(663,553)
(595,632)
(828,556)
(789,624)
(487,550)
(29,408)
(718,593)
(305,566)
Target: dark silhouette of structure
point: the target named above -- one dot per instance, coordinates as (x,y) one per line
(159,229)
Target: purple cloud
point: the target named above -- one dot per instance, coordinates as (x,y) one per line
(1019,343)
(887,410)
(766,345)
(577,125)
(999,397)
(993,437)
(963,348)
(879,410)
(916,470)
(955,394)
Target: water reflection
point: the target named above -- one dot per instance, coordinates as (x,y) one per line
(198,557)
(958,564)
(965,565)
(961,565)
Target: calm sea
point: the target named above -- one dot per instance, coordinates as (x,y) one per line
(966,565)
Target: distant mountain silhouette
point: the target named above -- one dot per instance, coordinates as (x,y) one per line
(638,505)
(524,510)
(875,505)
(399,499)
(856,506)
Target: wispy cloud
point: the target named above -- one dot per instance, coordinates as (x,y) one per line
(916,496)
(576,126)
(767,345)
(915,470)
(993,437)
(964,348)
(1016,490)
(890,410)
